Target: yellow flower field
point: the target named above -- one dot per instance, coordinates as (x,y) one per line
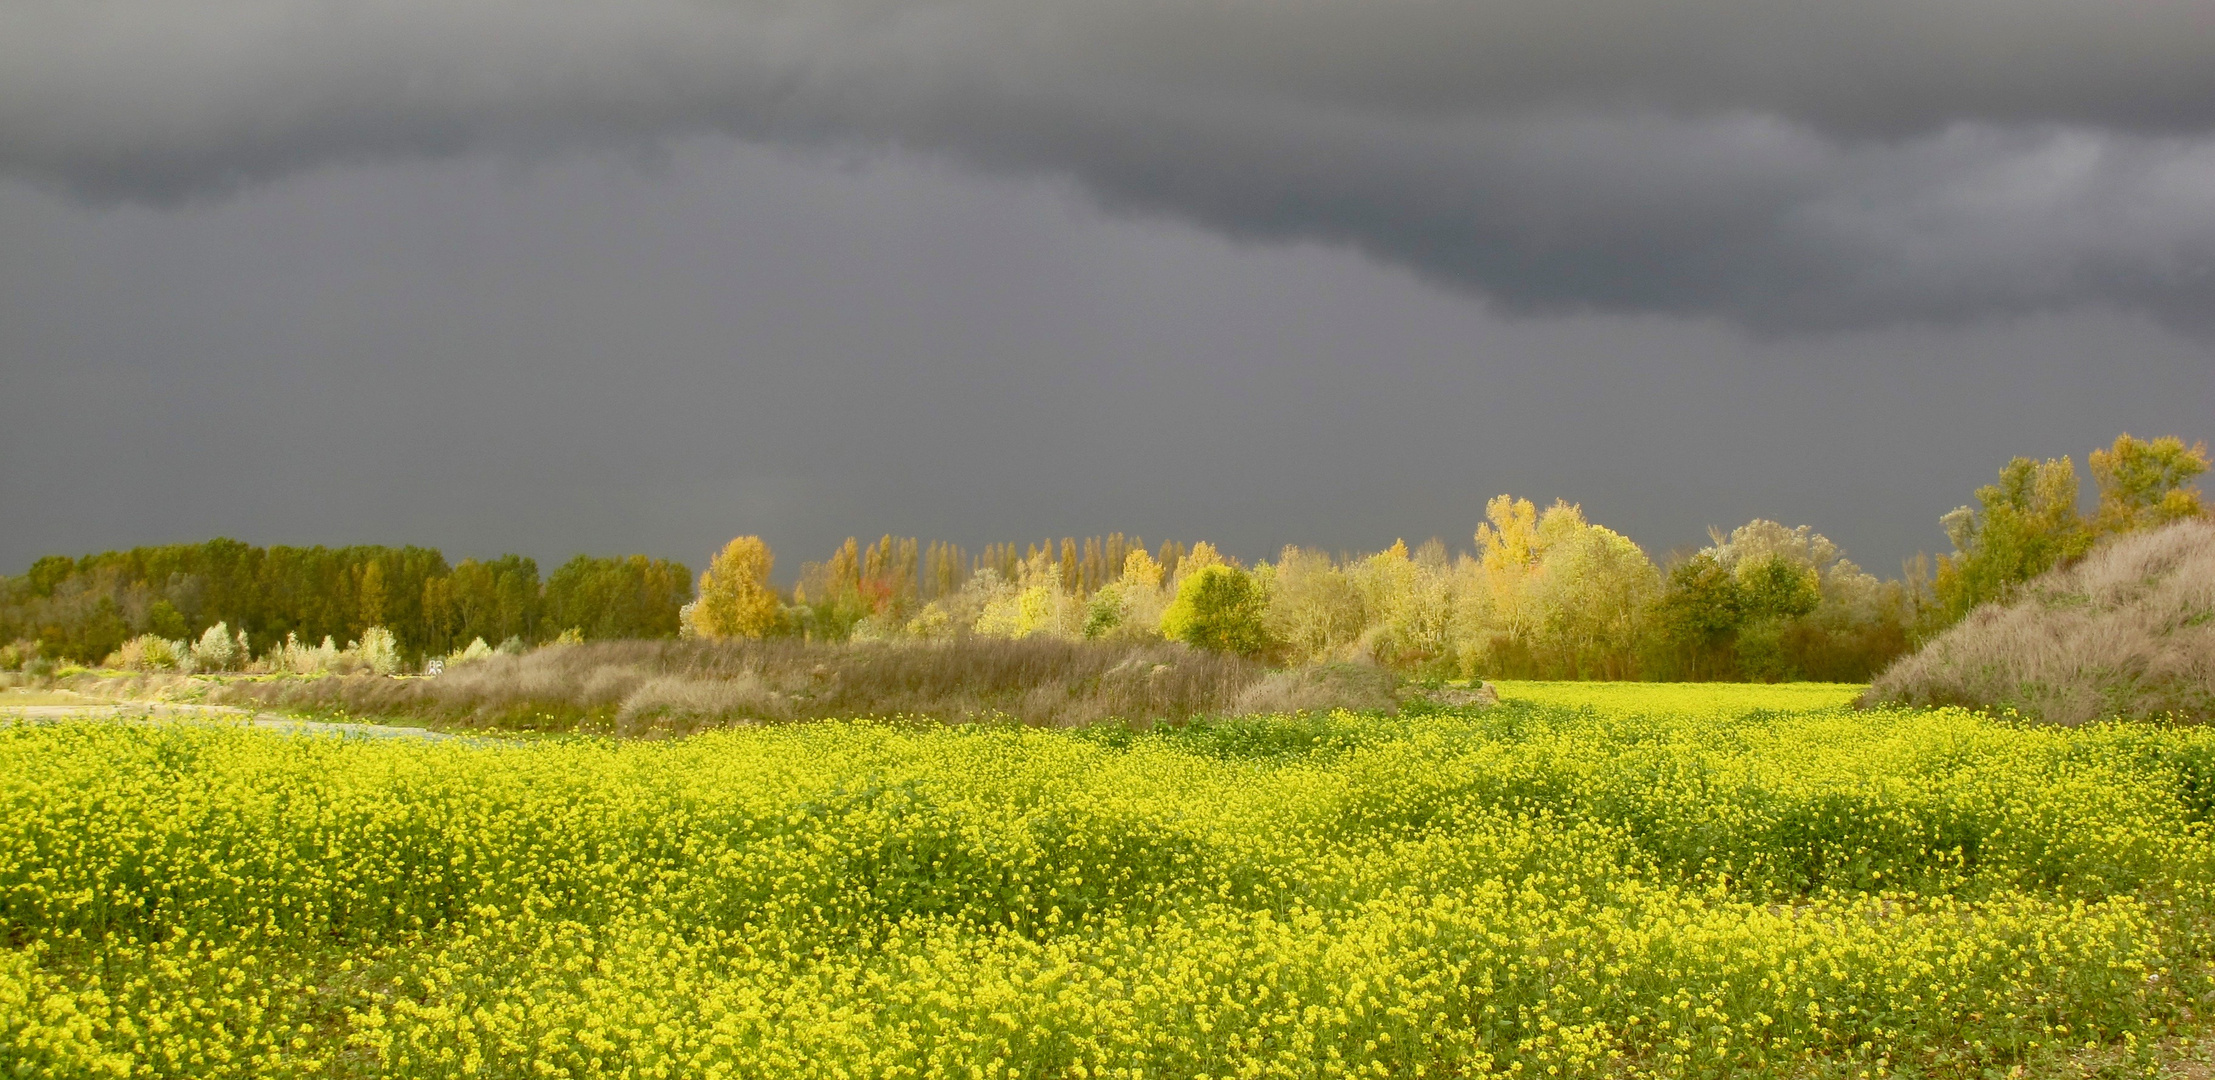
(1614,880)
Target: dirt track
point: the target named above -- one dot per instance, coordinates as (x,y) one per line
(152,712)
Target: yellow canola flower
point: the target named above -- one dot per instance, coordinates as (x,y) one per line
(1678,881)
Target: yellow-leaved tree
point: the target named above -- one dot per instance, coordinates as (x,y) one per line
(1499,613)
(2145,484)
(736,599)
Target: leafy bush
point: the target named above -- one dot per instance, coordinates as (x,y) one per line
(216,650)
(378,650)
(1217,608)
(294,658)
(148,652)
(475,650)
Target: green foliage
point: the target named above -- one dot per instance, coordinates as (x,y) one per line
(1582,882)
(162,620)
(1697,616)
(1776,588)
(1104,614)
(493,600)
(628,596)
(85,609)
(2028,522)
(1217,608)
(1774,604)
(2147,484)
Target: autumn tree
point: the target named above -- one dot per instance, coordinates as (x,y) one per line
(736,599)
(1314,609)
(1407,604)
(1498,611)
(1595,587)
(2146,484)
(1130,606)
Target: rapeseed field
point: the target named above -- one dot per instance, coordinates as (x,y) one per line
(1582,881)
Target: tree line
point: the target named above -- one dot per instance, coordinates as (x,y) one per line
(86,609)
(1541,593)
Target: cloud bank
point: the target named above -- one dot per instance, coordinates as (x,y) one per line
(1783,165)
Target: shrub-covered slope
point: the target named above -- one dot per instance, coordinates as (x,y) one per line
(2127,631)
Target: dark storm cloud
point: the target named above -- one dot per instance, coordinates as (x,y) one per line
(1782,165)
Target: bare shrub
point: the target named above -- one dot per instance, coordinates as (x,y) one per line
(2127,631)
(641,687)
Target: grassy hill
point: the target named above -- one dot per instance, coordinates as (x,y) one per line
(2129,630)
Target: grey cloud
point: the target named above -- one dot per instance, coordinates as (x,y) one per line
(1781,165)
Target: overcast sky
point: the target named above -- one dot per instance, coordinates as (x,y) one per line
(571,275)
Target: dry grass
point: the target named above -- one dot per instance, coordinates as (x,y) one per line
(657,687)
(2127,631)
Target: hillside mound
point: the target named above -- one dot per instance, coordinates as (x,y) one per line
(2127,631)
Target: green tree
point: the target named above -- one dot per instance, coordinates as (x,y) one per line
(1779,593)
(1775,587)
(372,595)
(163,619)
(1696,618)
(631,596)
(1217,607)
(2028,523)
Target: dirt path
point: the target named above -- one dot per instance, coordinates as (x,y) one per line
(154,712)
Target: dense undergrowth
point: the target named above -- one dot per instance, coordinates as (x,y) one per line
(1674,881)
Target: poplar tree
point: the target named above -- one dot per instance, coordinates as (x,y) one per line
(736,599)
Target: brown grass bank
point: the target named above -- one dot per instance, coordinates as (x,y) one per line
(673,687)
(2127,631)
